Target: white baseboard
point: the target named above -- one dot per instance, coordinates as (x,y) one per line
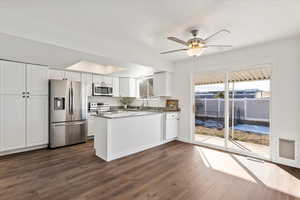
(43,146)
(184,140)
(169,140)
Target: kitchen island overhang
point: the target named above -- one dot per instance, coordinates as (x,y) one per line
(117,136)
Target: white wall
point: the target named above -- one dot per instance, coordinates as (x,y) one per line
(284,58)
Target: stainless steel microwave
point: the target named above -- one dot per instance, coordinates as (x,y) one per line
(102,90)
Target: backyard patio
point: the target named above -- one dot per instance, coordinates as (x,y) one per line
(242,140)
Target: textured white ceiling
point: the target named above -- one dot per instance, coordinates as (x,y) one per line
(135,30)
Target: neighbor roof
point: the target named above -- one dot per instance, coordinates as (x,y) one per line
(262,73)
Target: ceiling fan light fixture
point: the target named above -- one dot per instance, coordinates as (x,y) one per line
(195,51)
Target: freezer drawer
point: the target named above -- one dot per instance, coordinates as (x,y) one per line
(67,133)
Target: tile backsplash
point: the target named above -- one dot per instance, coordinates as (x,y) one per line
(115,101)
(112,101)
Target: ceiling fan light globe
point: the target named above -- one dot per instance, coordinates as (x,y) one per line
(195,51)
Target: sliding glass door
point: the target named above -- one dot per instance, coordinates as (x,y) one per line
(210,107)
(232,110)
(249,120)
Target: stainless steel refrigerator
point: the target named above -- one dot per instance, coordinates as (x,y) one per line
(68,108)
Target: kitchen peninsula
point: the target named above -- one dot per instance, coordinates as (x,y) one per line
(121,134)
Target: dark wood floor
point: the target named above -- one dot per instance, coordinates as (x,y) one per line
(176,171)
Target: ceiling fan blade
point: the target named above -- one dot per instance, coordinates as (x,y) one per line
(175,39)
(216,33)
(166,52)
(206,46)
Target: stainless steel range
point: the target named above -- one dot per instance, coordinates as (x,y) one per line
(68,123)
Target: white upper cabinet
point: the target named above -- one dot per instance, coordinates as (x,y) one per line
(116,87)
(37,80)
(98,79)
(87,79)
(91,126)
(73,76)
(127,87)
(12,77)
(64,75)
(56,74)
(37,120)
(108,81)
(162,84)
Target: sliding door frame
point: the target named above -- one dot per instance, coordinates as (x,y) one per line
(227,113)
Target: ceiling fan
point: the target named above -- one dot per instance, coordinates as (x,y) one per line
(196,45)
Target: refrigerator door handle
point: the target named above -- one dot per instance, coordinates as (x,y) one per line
(69,123)
(72,103)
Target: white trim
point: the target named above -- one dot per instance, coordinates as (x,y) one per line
(20,150)
(226,109)
(256,119)
(232,111)
(205,106)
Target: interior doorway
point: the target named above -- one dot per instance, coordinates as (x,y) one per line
(233,110)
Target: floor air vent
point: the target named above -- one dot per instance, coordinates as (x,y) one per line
(287,149)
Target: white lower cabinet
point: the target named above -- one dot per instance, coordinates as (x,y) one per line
(171,127)
(37,120)
(23,121)
(13,122)
(91,126)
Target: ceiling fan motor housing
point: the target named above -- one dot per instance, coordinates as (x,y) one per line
(196,42)
(194,32)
